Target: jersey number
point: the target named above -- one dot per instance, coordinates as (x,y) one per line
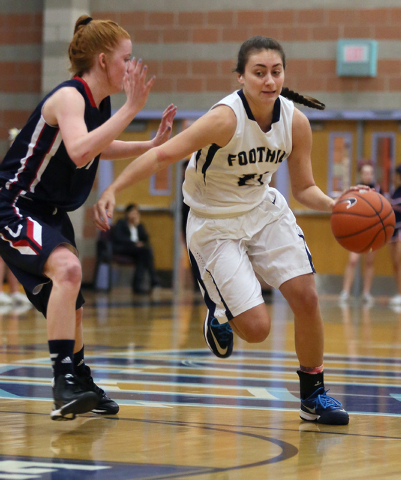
(251,179)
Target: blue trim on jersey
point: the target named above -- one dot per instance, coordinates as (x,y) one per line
(246,105)
(276,108)
(276,111)
(198,154)
(209,158)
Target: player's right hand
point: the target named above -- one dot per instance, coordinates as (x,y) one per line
(103,210)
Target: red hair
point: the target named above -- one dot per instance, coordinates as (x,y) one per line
(92,37)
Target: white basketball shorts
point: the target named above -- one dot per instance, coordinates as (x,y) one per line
(226,253)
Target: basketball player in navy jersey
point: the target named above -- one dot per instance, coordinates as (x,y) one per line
(49,171)
(238,225)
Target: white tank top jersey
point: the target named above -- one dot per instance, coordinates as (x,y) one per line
(223,182)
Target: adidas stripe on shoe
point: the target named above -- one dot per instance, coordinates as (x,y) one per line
(323,409)
(219,337)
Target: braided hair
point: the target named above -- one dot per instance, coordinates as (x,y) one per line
(258,43)
(302,99)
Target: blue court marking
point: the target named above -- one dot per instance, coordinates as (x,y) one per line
(107,377)
(113,370)
(204,353)
(357,399)
(276,355)
(136,361)
(24,468)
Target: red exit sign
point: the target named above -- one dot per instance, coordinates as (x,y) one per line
(356,53)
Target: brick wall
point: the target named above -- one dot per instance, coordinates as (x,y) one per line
(309,37)
(20,66)
(192,50)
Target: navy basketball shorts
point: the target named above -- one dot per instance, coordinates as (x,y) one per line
(227,253)
(27,238)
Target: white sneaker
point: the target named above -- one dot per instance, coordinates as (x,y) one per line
(396,300)
(367,298)
(20,309)
(5,309)
(19,298)
(5,299)
(344,296)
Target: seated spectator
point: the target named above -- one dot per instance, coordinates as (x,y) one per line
(130,238)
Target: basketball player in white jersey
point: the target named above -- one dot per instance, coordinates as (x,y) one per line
(238,225)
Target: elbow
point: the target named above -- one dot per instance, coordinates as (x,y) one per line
(163,159)
(81,159)
(301,193)
(297,196)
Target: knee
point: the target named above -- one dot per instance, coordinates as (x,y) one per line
(71,274)
(310,300)
(353,262)
(369,263)
(259,335)
(304,300)
(64,268)
(257,332)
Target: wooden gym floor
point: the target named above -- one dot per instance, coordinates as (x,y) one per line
(186,414)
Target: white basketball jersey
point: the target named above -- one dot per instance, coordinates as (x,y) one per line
(229,181)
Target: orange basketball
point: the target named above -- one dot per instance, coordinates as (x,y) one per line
(362,221)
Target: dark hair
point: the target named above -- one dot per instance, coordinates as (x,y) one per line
(92,37)
(258,43)
(131,206)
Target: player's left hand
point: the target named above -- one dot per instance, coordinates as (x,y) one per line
(165,127)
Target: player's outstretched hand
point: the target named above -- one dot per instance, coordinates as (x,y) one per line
(103,210)
(135,85)
(166,126)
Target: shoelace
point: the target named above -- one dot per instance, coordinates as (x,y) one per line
(222,331)
(93,386)
(326,401)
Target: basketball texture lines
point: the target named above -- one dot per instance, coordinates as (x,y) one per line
(362,221)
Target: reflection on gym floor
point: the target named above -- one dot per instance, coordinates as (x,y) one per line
(186,414)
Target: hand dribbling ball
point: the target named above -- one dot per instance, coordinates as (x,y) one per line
(362,221)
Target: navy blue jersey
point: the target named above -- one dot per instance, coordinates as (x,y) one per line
(396,202)
(38,167)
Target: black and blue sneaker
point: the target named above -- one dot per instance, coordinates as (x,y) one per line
(219,337)
(321,408)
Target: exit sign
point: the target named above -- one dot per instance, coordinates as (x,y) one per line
(357,58)
(356,53)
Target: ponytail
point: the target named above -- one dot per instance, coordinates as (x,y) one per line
(92,37)
(302,99)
